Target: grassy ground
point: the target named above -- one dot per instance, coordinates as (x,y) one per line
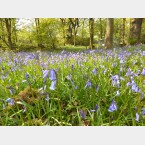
(97,87)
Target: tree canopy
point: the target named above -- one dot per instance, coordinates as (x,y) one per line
(53,33)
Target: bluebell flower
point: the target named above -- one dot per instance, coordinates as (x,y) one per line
(142,95)
(83,115)
(104,71)
(95,109)
(137,117)
(47,98)
(129,72)
(45,74)
(10,101)
(143,53)
(26,76)
(4,106)
(112,107)
(138,72)
(72,67)
(24,110)
(122,61)
(115,81)
(52,75)
(135,108)
(114,64)
(143,111)
(135,88)
(76,87)
(94,71)
(88,84)
(97,88)
(143,72)
(53,85)
(15,60)
(11,92)
(117,93)
(69,77)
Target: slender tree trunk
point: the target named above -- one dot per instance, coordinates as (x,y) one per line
(75,25)
(74,30)
(91,28)
(101,29)
(64,33)
(123,31)
(39,41)
(14,32)
(109,33)
(135,30)
(82,34)
(8,28)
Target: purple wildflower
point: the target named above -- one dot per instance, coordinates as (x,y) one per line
(129,84)
(143,111)
(129,72)
(15,60)
(115,81)
(112,107)
(143,53)
(94,71)
(72,67)
(27,76)
(4,106)
(122,61)
(76,87)
(135,108)
(88,84)
(95,109)
(24,110)
(142,95)
(143,72)
(45,74)
(83,115)
(69,77)
(135,88)
(97,88)
(52,75)
(104,71)
(10,101)
(11,92)
(117,93)
(53,85)
(137,117)
(47,98)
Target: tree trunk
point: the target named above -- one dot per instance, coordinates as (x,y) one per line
(63,21)
(109,33)
(82,32)
(75,25)
(123,31)
(135,31)
(101,29)
(8,28)
(91,28)
(39,41)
